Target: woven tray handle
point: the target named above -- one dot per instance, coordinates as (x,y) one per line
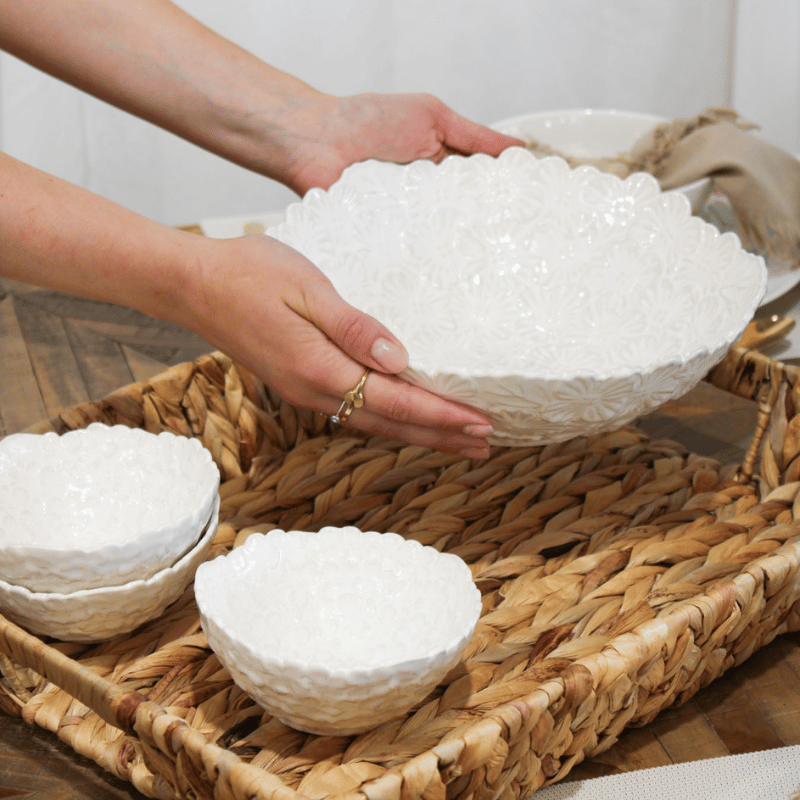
(213,768)
(774,387)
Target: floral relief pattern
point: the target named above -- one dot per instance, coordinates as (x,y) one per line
(561,301)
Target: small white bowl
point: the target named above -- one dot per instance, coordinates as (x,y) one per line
(100,506)
(94,615)
(338,631)
(562,302)
(595,133)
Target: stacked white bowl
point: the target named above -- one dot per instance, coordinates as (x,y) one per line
(101,528)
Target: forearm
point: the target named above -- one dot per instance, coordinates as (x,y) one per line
(264,304)
(59,236)
(153,60)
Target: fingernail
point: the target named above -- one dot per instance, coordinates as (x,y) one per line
(392,357)
(481,431)
(476,452)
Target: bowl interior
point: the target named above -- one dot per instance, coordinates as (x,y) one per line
(340,599)
(582,133)
(522,266)
(101,486)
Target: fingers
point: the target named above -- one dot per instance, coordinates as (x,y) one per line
(466,446)
(325,347)
(466,137)
(359,335)
(396,409)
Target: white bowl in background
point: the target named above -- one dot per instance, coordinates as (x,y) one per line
(594,133)
(561,302)
(94,615)
(100,506)
(338,631)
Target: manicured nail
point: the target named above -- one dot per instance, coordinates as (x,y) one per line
(481,431)
(392,357)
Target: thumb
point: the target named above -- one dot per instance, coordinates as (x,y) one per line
(467,137)
(358,335)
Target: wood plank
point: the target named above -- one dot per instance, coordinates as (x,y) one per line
(100,360)
(36,765)
(60,381)
(776,693)
(738,721)
(142,367)
(162,342)
(637,748)
(20,398)
(789,645)
(74,307)
(687,735)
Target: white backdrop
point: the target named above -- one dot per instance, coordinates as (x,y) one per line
(486,59)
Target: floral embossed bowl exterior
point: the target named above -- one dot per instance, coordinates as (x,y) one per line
(338,631)
(594,133)
(562,302)
(100,506)
(94,615)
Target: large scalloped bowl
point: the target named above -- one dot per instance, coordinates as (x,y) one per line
(100,506)
(562,302)
(338,631)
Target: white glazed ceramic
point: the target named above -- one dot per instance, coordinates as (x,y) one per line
(94,615)
(562,302)
(100,506)
(338,631)
(594,133)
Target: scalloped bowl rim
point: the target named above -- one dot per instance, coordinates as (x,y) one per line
(138,547)
(113,548)
(724,341)
(207,534)
(205,578)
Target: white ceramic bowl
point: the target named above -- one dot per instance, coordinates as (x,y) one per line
(595,133)
(338,631)
(100,506)
(562,302)
(94,615)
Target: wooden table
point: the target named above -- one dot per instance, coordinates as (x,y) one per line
(57,350)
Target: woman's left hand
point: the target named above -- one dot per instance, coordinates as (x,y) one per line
(337,132)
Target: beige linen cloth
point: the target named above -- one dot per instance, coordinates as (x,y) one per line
(761,181)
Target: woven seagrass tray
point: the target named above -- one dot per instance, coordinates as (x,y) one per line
(619,576)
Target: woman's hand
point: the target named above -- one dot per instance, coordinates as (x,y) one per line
(336,132)
(271,310)
(261,302)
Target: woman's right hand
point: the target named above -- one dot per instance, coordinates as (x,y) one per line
(272,311)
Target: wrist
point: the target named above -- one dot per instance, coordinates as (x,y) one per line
(270,131)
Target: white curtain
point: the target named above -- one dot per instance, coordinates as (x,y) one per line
(488,60)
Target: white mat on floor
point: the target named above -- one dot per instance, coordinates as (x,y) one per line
(765,775)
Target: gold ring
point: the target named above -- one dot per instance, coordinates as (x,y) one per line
(352,399)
